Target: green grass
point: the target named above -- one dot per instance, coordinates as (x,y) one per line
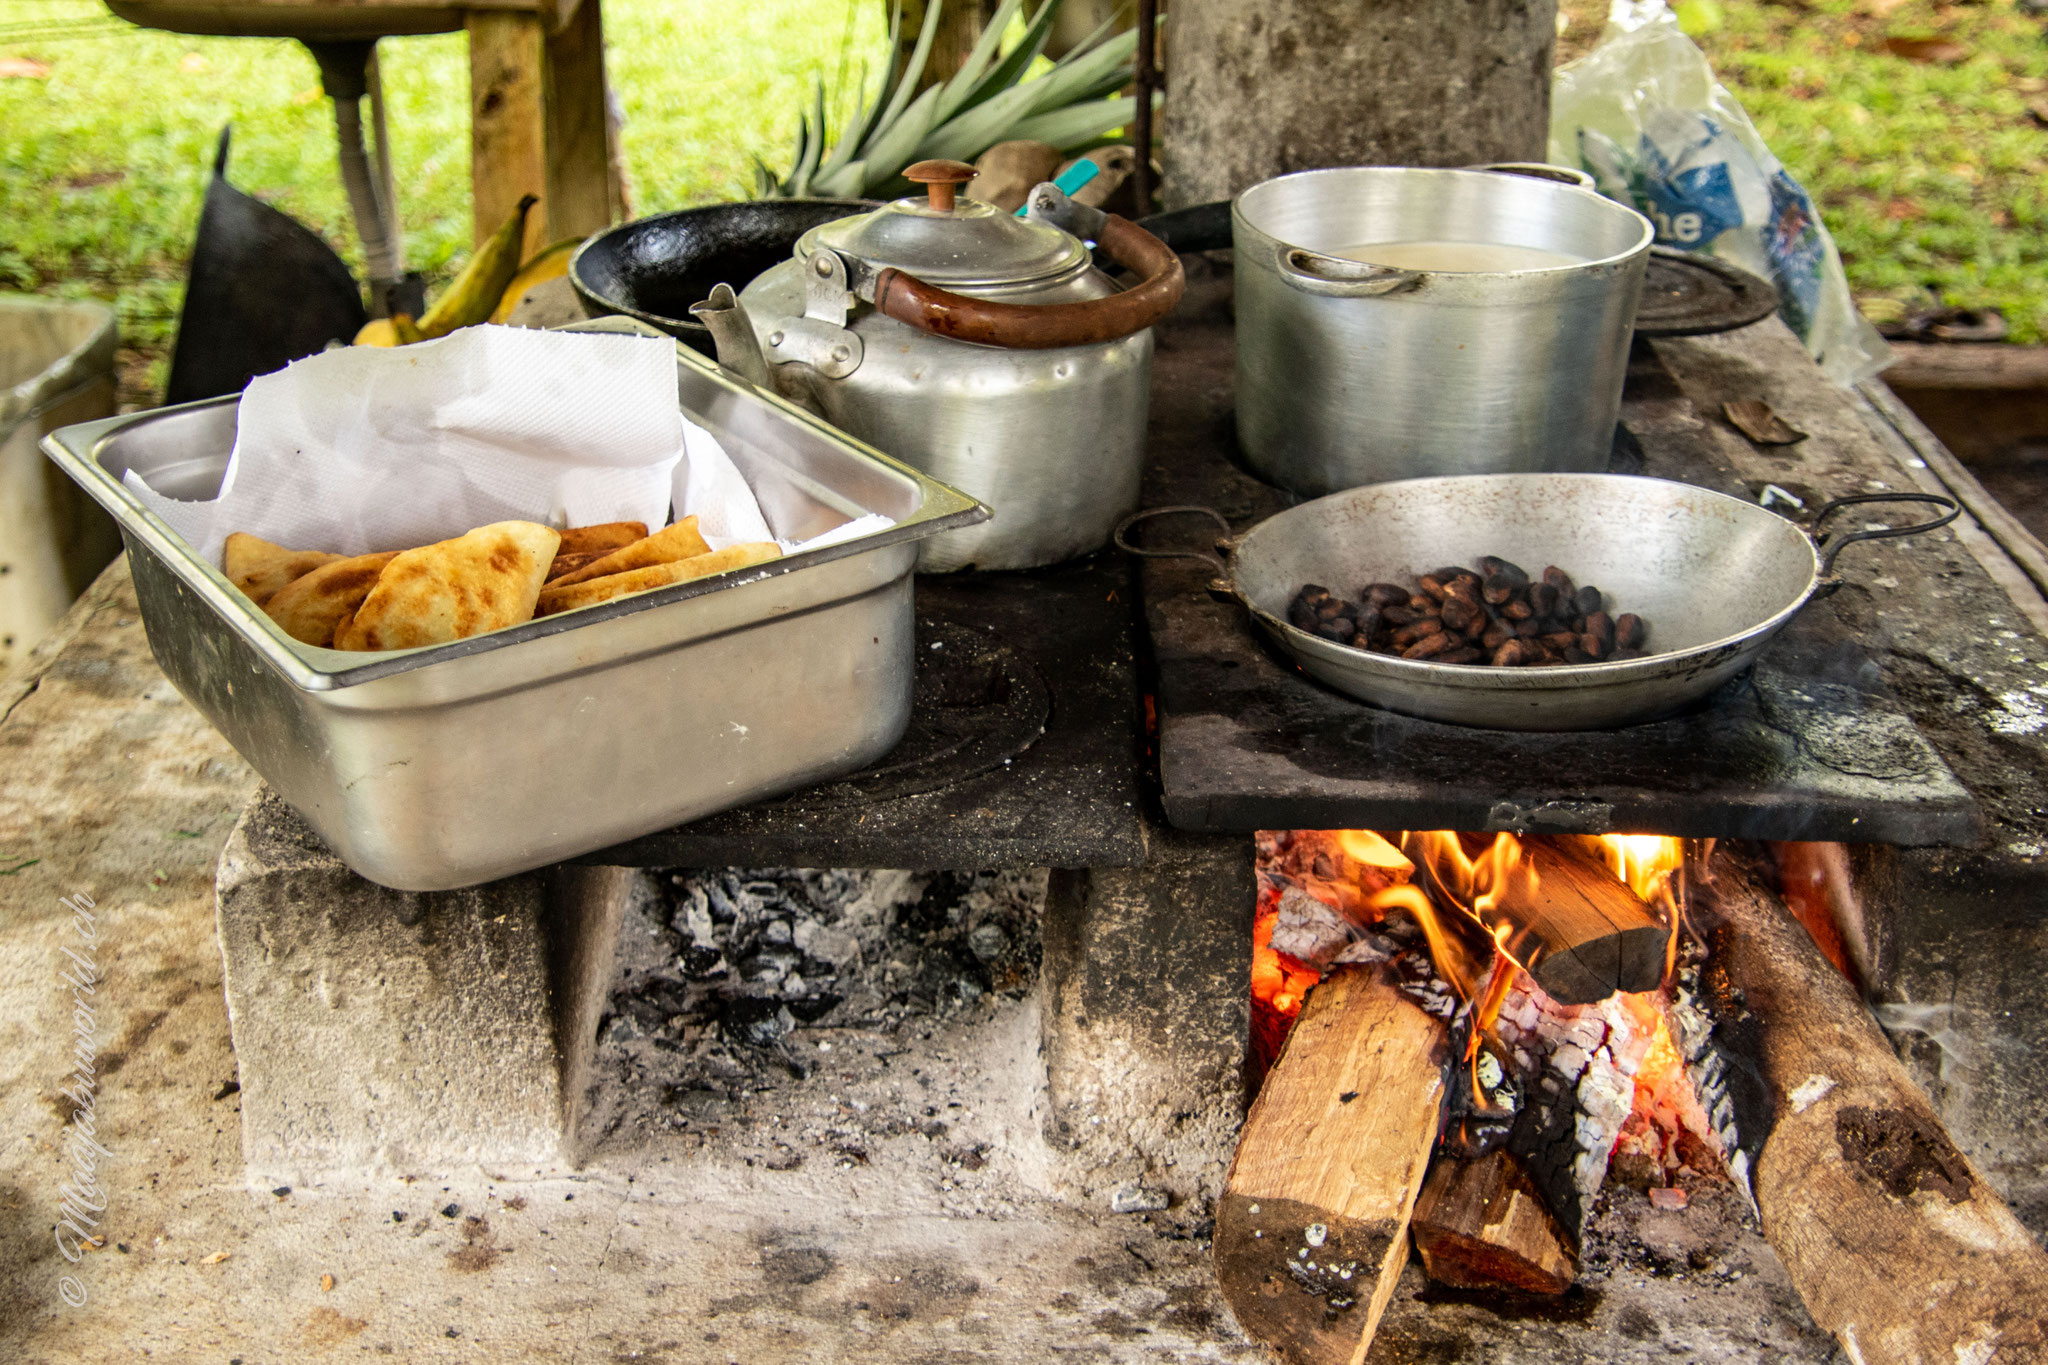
(103,164)
(1926,174)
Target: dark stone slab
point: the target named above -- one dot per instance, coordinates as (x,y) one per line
(1024,750)
(1810,745)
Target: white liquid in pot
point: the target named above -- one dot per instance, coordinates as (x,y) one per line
(1462,257)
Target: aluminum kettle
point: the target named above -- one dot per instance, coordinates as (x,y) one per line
(981,348)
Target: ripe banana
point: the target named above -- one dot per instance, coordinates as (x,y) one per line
(477,289)
(399,330)
(550,263)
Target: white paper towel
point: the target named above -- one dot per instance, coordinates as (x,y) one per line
(363,449)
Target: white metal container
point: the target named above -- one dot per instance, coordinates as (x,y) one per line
(462,762)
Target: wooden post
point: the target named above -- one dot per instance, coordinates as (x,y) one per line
(1289,85)
(537,121)
(1893,1240)
(1312,1229)
(581,192)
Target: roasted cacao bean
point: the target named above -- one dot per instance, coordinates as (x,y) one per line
(1339,629)
(1400,614)
(1459,613)
(1512,654)
(1588,600)
(1428,647)
(1417,630)
(1601,624)
(1433,585)
(1543,597)
(1528,629)
(1592,645)
(1498,589)
(1386,594)
(1496,635)
(1559,579)
(1628,630)
(1518,611)
(1575,655)
(1463,654)
(1494,564)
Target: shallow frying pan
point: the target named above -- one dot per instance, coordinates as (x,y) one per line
(654,268)
(1714,577)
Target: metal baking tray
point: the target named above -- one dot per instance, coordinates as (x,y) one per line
(459,763)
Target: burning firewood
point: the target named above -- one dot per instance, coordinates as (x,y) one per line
(1481,1224)
(1890,1235)
(1312,1229)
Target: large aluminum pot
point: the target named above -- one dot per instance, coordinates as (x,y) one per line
(1350,373)
(1714,577)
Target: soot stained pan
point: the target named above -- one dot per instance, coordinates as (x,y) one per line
(1714,577)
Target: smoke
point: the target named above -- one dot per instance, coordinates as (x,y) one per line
(1937,1024)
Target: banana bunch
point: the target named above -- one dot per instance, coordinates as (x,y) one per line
(487,290)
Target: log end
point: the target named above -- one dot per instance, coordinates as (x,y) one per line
(1627,960)
(1274,1257)
(1482,1225)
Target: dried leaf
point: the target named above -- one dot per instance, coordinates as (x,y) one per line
(216,1258)
(27,68)
(1945,51)
(1754,419)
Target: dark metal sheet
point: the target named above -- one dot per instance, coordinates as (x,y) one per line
(1024,750)
(1811,745)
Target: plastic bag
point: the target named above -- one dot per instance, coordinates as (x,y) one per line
(1643,114)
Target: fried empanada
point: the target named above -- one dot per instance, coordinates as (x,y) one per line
(313,604)
(665,546)
(610,535)
(564,595)
(259,568)
(568,564)
(453,589)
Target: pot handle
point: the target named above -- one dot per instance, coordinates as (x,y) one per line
(1046,326)
(1538,170)
(1214,561)
(1335,277)
(1834,545)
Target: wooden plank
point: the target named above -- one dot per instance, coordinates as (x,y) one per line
(1891,1236)
(581,189)
(508,147)
(1311,1232)
(1481,1224)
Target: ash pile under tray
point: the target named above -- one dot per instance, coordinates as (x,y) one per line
(737,984)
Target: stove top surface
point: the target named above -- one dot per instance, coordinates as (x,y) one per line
(1809,745)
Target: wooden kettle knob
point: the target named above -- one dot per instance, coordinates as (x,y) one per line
(941,180)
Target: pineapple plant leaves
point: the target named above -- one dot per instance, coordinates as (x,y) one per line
(1071,106)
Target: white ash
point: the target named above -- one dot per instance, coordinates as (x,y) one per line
(1310,930)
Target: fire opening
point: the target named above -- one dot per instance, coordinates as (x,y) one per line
(1547,958)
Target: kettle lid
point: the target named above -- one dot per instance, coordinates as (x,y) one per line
(959,244)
